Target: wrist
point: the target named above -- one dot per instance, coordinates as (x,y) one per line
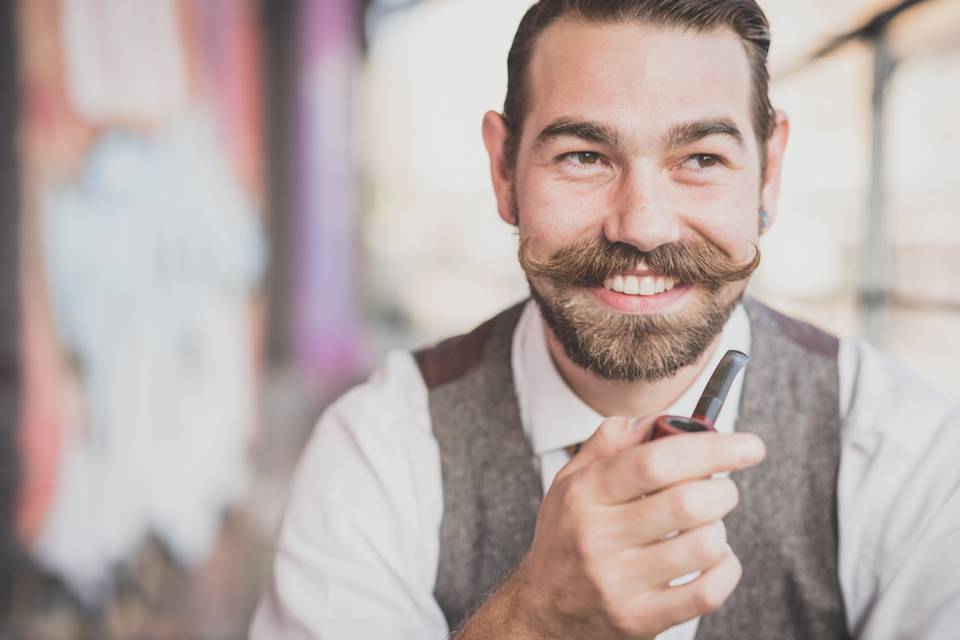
(514,611)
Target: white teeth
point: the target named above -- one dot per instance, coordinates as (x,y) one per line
(637,285)
(648,286)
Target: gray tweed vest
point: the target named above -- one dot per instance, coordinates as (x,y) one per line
(784,530)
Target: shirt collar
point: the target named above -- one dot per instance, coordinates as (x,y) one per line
(554,417)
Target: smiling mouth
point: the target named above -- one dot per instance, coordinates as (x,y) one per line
(640,281)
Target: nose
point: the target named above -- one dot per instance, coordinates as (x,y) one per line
(640,214)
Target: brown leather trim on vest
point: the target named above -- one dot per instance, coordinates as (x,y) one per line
(806,335)
(453,357)
(491,488)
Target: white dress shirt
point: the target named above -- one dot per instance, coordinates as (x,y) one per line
(358,547)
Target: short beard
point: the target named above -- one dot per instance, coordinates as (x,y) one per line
(625,347)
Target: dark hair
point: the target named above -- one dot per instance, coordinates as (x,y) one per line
(744,17)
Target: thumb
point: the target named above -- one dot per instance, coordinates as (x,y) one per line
(614,434)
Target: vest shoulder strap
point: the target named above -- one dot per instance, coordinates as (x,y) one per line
(491,485)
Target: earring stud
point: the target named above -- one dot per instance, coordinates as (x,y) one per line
(764,220)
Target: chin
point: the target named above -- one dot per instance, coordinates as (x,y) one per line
(629,345)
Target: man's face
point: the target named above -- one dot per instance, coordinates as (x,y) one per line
(638,170)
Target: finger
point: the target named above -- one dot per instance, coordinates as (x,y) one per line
(615,434)
(690,552)
(701,596)
(656,465)
(682,507)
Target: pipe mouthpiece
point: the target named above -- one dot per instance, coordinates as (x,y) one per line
(715,393)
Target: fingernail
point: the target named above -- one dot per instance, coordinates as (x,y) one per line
(748,448)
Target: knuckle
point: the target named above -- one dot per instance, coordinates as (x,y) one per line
(654,468)
(613,424)
(726,492)
(622,619)
(723,453)
(588,547)
(733,492)
(606,591)
(737,570)
(610,426)
(621,611)
(710,596)
(572,493)
(713,589)
(609,431)
(724,496)
(711,544)
(685,503)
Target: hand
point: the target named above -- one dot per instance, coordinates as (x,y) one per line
(600,565)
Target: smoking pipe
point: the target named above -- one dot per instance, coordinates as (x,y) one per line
(711,401)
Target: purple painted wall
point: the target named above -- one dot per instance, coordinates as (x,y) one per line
(328,337)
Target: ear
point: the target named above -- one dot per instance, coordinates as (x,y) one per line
(494,139)
(776,146)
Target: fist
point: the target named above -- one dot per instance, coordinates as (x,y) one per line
(625,519)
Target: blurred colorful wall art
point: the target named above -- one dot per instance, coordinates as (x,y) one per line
(142,250)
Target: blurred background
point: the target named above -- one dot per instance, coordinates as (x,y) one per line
(216,215)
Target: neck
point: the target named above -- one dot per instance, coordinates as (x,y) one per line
(621,398)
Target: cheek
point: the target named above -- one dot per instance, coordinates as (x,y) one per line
(554,216)
(729,220)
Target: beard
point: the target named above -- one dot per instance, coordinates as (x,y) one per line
(627,347)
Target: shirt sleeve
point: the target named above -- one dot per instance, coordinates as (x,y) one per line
(898,501)
(357,551)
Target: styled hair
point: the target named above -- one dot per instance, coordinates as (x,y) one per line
(744,17)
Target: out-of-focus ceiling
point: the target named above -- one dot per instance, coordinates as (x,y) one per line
(803,30)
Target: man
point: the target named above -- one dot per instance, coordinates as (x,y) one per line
(639,157)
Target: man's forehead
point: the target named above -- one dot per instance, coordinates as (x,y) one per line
(638,77)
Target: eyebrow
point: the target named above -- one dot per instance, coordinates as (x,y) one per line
(679,135)
(684,133)
(589,130)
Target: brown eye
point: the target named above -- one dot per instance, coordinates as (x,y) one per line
(701,161)
(587,157)
(707,161)
(585,162)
